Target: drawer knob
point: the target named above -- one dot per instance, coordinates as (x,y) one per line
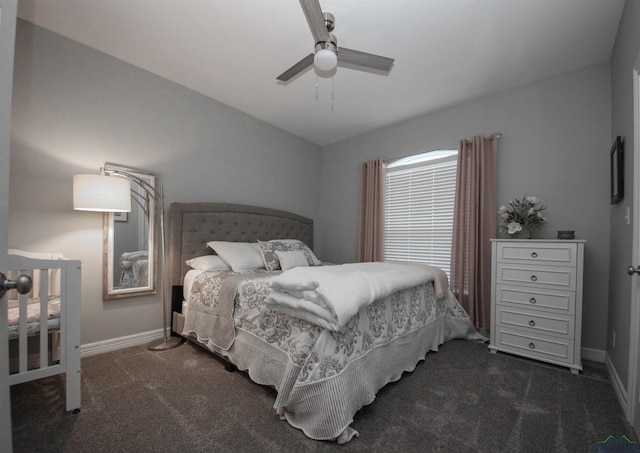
(532,346)
(534,255)
(532,323)
(534,278)
(532,300)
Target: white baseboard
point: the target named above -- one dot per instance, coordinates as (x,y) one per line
(621,392)
(595,355)
(114,344)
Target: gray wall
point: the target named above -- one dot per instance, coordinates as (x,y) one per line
(625,54)
(75,108)
(555,145)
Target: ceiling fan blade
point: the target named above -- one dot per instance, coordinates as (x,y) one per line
(296,68)
(314,15)
(367,60)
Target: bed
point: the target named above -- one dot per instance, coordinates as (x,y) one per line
(41,349)
(323,375)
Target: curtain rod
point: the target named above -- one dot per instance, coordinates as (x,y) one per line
(494,136)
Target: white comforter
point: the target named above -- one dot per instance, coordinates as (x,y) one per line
(329,296)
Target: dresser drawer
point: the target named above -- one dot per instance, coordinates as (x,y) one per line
(522,343)
(547,299)
(537,276)
(539,322)
(531,253)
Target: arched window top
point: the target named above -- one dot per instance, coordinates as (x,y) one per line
(431,156)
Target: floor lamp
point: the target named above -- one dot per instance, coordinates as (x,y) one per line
(106,193)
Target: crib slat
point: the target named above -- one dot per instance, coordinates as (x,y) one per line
(4,319)
(44,318)
(64,324)
(23,352)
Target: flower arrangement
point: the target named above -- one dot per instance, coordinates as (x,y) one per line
(521,215)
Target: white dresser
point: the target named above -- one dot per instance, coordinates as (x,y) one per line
(536,299)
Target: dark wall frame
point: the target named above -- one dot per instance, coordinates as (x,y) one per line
(617,170)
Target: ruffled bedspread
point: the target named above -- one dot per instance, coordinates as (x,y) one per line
(330,374)
(210,317)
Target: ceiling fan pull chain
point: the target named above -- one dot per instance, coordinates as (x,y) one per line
(333,82)
(316,87)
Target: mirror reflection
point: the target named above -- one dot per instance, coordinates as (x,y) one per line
(129,239)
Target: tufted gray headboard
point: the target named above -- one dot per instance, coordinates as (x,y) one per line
(192,225)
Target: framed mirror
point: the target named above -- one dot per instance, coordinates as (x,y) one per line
(129,242)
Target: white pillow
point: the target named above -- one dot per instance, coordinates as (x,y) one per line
(241,256)
(208,263)
(291,259)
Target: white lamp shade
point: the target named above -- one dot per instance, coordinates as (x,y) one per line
(325,60)
(101,193)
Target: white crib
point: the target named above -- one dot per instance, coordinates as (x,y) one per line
(55,298)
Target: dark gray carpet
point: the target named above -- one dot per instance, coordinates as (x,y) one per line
(460,399)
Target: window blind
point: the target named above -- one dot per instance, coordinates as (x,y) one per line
(419,201)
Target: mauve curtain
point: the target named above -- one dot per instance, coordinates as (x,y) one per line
(474,223)
(371,215)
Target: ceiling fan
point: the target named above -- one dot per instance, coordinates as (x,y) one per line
(327,54)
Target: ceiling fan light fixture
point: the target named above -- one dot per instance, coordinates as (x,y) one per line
(325,60)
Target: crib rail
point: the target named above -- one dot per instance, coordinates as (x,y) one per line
(66,274)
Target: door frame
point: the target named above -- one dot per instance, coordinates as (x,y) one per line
(8,14)
(633,386)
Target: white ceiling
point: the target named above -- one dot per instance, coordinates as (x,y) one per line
(446,51)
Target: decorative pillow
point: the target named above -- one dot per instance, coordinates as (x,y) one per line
(268,249)
(291,259)
(241,256)
(208,263)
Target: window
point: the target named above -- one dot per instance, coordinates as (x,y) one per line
(419,199)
